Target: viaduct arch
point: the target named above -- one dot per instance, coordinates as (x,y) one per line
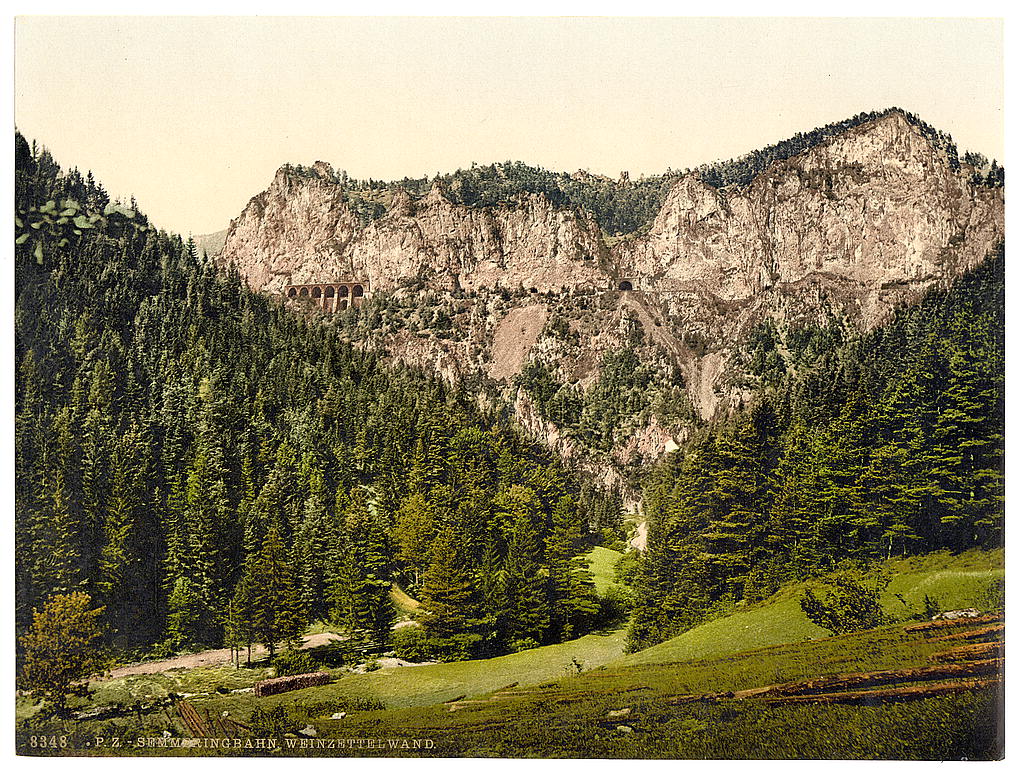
(330,297)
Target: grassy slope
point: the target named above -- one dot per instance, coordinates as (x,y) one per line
(425,685)
(570,717)
(737,652)
(601,562)
(407,686)
(404,603)
(430,684)
(954,581)
(778,621)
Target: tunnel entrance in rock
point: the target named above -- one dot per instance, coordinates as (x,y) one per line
(625,285)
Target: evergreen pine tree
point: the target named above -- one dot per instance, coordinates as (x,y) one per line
(276,609)
(447,588)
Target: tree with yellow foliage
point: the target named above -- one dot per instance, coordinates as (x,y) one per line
(61,647)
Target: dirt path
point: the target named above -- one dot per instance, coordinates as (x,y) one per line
(220,657)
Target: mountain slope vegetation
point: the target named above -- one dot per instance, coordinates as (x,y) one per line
(857,448)
(622,207)
(537,703)
(211,467)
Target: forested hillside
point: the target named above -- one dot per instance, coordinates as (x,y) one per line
(619,206)
(209,466)
(213,467)
(858,447)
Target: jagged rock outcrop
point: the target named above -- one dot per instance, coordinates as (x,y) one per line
(302,230)
(863,221)
(288,233)
(875,207)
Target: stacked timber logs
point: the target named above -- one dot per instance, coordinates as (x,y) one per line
(286,683)
(932,626)
(195,723)
(211,726)
(993,649)
(846,688)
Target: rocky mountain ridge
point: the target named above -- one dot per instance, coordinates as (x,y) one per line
(877,205)
(849,228)
(302,230)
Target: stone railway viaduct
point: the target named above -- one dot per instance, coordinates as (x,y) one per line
(329,296)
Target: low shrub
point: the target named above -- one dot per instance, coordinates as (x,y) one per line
(291,662)
(333,654)
(614,606)
(993,598)
(410,644)
(415,645)
(321,709)
(852,602)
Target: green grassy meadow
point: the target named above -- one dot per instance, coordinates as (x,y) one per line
(954,581)
(435,683)
(574,716)
(601,562)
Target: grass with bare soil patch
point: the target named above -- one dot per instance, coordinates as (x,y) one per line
(404,603)
(934,699)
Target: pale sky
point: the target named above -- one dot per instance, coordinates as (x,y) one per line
(192,115)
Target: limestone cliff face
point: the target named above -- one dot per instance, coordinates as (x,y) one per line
(302,230)
(860,223)
(290,230)
(875,207)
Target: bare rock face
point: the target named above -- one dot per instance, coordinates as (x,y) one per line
(855,226)
(294,232)
(875,207)
(302,230)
